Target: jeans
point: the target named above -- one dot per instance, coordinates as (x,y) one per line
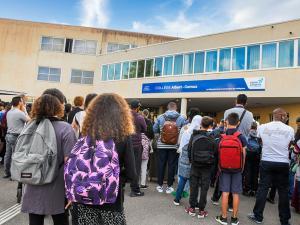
(135,187)
(202,181)
(180,187)
(144,171)
(251,171)
(165,156)
(291,181)
(278,174)
(59,219)
(10,147)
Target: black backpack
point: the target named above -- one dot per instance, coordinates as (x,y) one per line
(202,150)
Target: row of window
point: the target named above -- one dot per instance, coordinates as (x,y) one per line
(54,74)
(253,57)
(69,45)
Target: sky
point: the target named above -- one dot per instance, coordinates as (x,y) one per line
(182,18)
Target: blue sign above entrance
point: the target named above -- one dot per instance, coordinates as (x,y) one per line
(219,85)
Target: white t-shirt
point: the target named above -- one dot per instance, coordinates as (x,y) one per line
(276,138)
(79,117)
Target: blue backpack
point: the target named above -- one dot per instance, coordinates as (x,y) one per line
(253,145)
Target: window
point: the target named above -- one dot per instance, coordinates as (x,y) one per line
(82,77)
(269,55)
(188,63)
(199,62)
(113,47)
(111,72)
(132,70)
(211,61)
(85,47)
(125,70)
(53,44)
(49,74)
(69,45)
(256,118)
(225,58)
(286,53)
(104,72)
(178,64)
(118,71)
(238,58)
(253,57)
(168,65)
(141,68)
(149,67)
(158,67)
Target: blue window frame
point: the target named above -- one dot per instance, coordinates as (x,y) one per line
(132,70)
(118,71)
(224,59)
(253,57)
(125,70)
(286,53)
(158,67)
(211,61)
(178,64)
(269,55)
(199,62)
(188,63)
(104,72)
(168,65)
(111,72)
(238,58)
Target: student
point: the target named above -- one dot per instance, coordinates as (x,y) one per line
(78,103)
(276,137)
(202,152)
(104,126)
(231,163)
(184,166)
(49,199)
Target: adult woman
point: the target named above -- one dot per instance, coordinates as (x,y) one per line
(79,117)
(49,199)
(108,117)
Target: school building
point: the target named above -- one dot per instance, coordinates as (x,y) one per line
(207,72)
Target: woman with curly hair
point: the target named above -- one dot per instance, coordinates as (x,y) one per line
(106,129)
(49,199)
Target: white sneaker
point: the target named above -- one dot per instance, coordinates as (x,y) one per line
(169,190)
(160,189)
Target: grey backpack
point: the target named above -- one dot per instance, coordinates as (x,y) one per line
(34,160)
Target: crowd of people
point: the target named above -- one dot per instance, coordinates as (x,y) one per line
(77,159)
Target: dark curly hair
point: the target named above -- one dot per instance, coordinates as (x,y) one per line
(108,117)
(47,106)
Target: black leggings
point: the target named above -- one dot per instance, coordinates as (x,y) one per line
(59,219)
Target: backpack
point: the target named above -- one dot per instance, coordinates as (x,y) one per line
(170,131)
(146,147)
(34,160)
(202,150)
(92,172)
(231,153)
(253,146)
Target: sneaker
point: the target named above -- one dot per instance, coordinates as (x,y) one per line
(190,211)
(234,221)
(270,200)
(230,209)
(253,218)
(137,194)
(144,187)
(202,214)
(6,176)
(176,202)
(169,190)
(221,220)
(160,189)
(214,202)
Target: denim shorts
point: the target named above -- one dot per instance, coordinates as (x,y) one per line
(231,182)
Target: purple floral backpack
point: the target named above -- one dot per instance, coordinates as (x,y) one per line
(92,173)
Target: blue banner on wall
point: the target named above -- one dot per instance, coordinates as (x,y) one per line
(219,85)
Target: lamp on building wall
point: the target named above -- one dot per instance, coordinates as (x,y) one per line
(291,33)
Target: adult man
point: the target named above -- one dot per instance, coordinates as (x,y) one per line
(168,152)
(16,119)
(140,127)
(246,117)
(276,137)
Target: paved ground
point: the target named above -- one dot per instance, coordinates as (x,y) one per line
(153,209)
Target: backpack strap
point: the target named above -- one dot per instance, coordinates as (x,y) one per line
(242,117)
(237,134)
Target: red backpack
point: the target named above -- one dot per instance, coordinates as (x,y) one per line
(231,153)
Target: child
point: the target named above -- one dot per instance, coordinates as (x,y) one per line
(202,152)
(232,152)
